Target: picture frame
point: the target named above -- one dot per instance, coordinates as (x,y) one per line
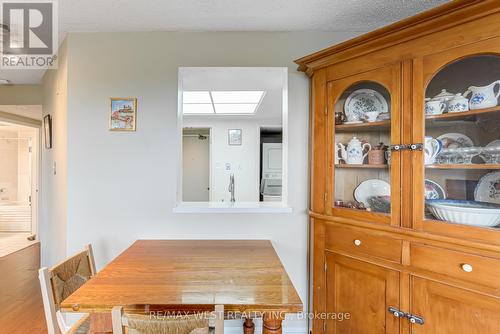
(47,131)
(122,114)
(234,137)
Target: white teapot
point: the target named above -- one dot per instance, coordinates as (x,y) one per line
(354,153)
(483,97)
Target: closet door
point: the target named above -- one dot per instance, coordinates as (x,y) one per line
(451,310)
(456,177)
(359,294)
(364,113)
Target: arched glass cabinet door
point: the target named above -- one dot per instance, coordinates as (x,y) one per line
(458,184)
(364,116)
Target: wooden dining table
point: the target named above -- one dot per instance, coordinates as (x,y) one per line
(151,276)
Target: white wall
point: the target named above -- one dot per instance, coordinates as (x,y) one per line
(122,186)
(243,159)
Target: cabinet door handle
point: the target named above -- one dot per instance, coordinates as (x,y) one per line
(415,319)
(357,242)
(395,312)
(467,267)
(397,147)
(416,147)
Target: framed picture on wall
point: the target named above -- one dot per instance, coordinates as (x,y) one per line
(234,136)
(47,131)
(123,114)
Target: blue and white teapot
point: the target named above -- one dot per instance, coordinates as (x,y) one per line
(483,97)
(353,155)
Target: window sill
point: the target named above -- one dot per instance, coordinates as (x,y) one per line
(227,207)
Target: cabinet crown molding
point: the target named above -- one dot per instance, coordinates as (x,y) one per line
(436,19)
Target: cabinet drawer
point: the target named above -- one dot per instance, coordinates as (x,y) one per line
(357,241)
(465,266)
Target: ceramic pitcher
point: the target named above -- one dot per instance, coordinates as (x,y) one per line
(353,155)
(483,97)
(432,148)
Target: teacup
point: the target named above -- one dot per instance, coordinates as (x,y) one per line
(371,116)
(434,107)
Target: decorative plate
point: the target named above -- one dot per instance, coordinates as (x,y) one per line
(493,143)
(455,140)
(433,190)
(371,188)
(364,100)
(383,117)
(488,188)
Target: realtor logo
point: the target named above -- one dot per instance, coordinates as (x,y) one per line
(29,34)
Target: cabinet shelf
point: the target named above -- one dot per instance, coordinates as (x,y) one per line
(464,166)
(364,166)
(373,126)
(470,115)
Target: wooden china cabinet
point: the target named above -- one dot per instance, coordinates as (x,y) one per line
(402,240)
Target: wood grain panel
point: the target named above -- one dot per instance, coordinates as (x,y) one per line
(364,291)
(357,241)
(20,297)
(318,141)
(448,262)
(318,274)
(194,275)
(447,309)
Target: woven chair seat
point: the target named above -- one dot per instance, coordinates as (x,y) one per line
(143,324)
(81,327)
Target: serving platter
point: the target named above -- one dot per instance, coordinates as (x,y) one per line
(465,212)
(371,188)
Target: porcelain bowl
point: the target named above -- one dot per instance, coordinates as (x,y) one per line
(465,212)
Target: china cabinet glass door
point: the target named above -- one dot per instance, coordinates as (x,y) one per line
(364,123)
(461,137)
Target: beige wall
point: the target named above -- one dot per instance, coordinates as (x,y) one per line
(122,186)
(21,95)
(9,165)
(53,222)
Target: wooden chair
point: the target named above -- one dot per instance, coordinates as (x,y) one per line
(60,281)
(190,324)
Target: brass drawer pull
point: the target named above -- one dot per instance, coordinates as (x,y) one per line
(466,267)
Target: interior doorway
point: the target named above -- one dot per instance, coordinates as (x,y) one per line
(196,164)
(19,149)
(271,164)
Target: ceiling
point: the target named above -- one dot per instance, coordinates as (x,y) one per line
(225,15)
(268,79)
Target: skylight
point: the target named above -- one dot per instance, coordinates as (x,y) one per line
(221,102)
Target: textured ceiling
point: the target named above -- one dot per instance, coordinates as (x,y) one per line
(236,15)
(225,15)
